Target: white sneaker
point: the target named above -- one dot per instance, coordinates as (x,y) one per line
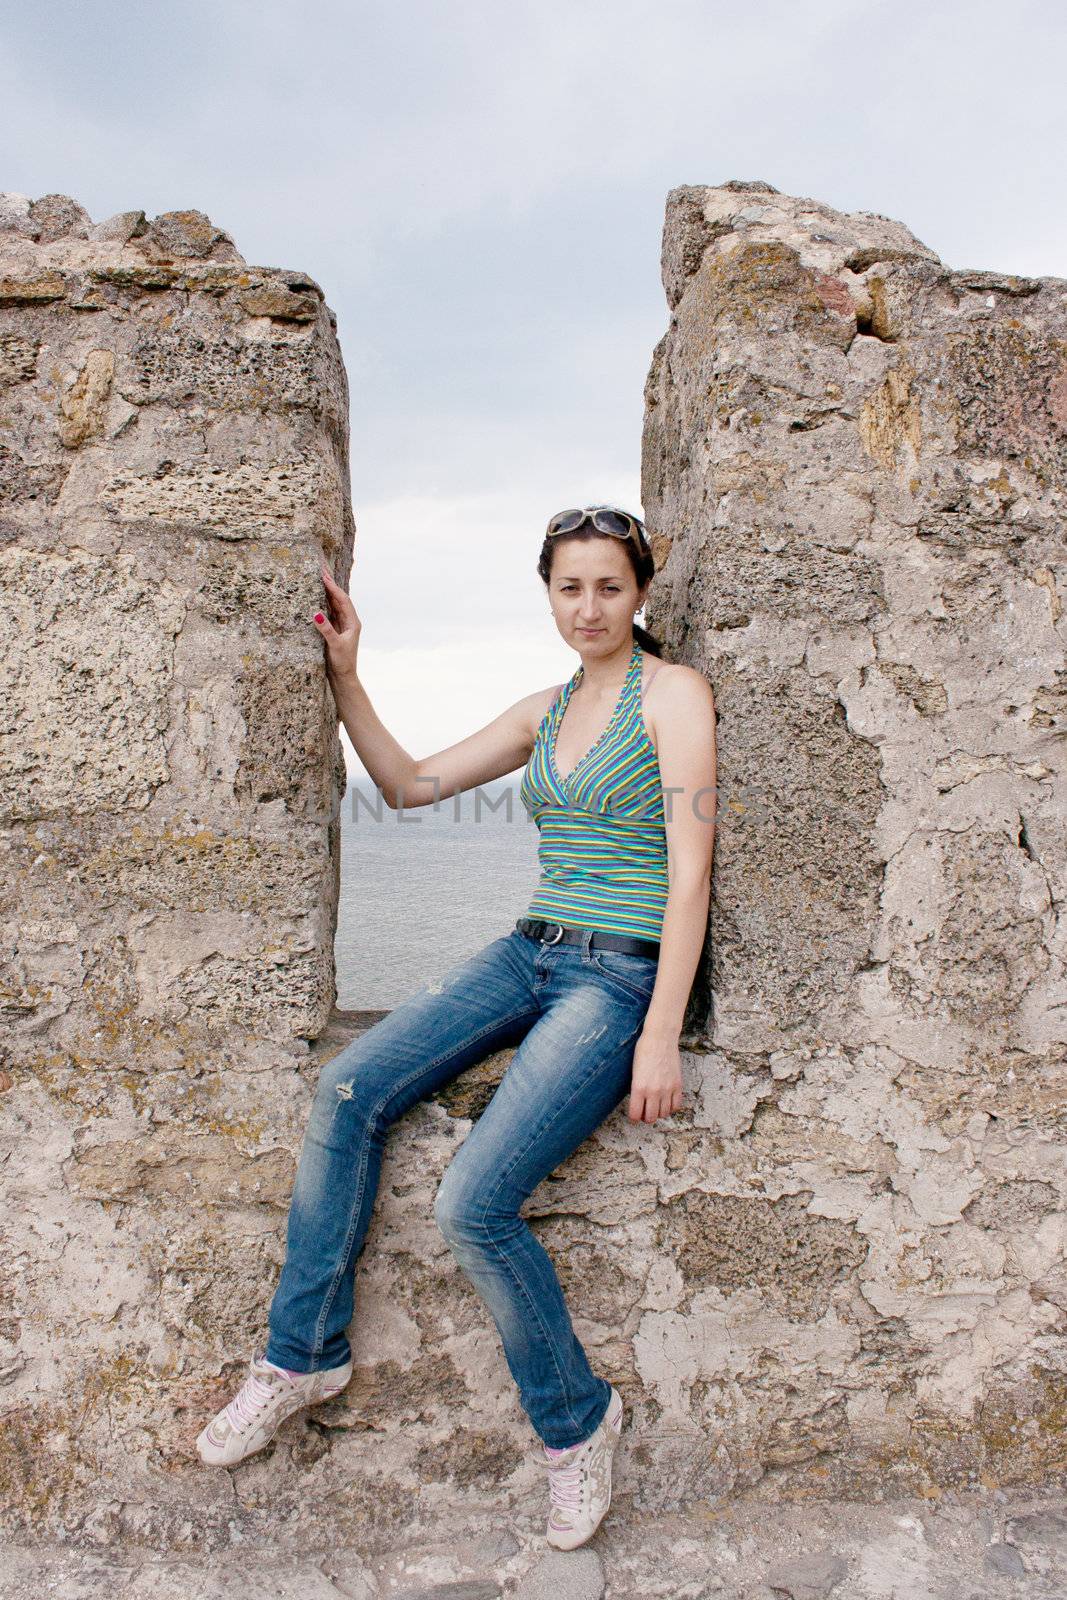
(579,1481)
(267,1396)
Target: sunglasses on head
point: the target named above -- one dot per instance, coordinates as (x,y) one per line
(605,519)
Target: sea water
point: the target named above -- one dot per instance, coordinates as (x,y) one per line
(424,887)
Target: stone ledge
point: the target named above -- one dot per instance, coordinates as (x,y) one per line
(743,1548)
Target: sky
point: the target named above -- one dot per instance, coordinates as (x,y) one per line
(479,188)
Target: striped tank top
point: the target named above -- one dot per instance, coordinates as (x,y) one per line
(602,848)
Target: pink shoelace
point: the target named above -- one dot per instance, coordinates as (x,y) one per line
(253,1393)
(565,1482)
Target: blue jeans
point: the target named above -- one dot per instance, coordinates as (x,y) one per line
(575,1013)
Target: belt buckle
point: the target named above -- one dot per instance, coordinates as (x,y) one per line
(558,937)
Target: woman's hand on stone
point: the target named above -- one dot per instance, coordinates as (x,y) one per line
(340,628)
(655,1078)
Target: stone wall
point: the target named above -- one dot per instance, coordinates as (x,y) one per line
(173,462)
(855,462)
(846,1252)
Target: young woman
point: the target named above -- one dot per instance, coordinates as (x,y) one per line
(591,985)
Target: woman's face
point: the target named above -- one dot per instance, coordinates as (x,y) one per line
(594,594)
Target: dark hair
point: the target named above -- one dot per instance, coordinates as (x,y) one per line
(641,560)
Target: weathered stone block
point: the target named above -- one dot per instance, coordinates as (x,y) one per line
(855,471)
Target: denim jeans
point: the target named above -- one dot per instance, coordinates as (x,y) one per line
(575,1012)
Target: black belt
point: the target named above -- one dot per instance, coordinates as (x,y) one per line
(556,933)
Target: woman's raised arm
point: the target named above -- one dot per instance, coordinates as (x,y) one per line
(493,751)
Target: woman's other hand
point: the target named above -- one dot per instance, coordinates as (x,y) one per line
(655,1078)
(340,628)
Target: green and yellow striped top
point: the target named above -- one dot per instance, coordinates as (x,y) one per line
(603,845)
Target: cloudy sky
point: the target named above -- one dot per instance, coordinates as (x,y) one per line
(479,188)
